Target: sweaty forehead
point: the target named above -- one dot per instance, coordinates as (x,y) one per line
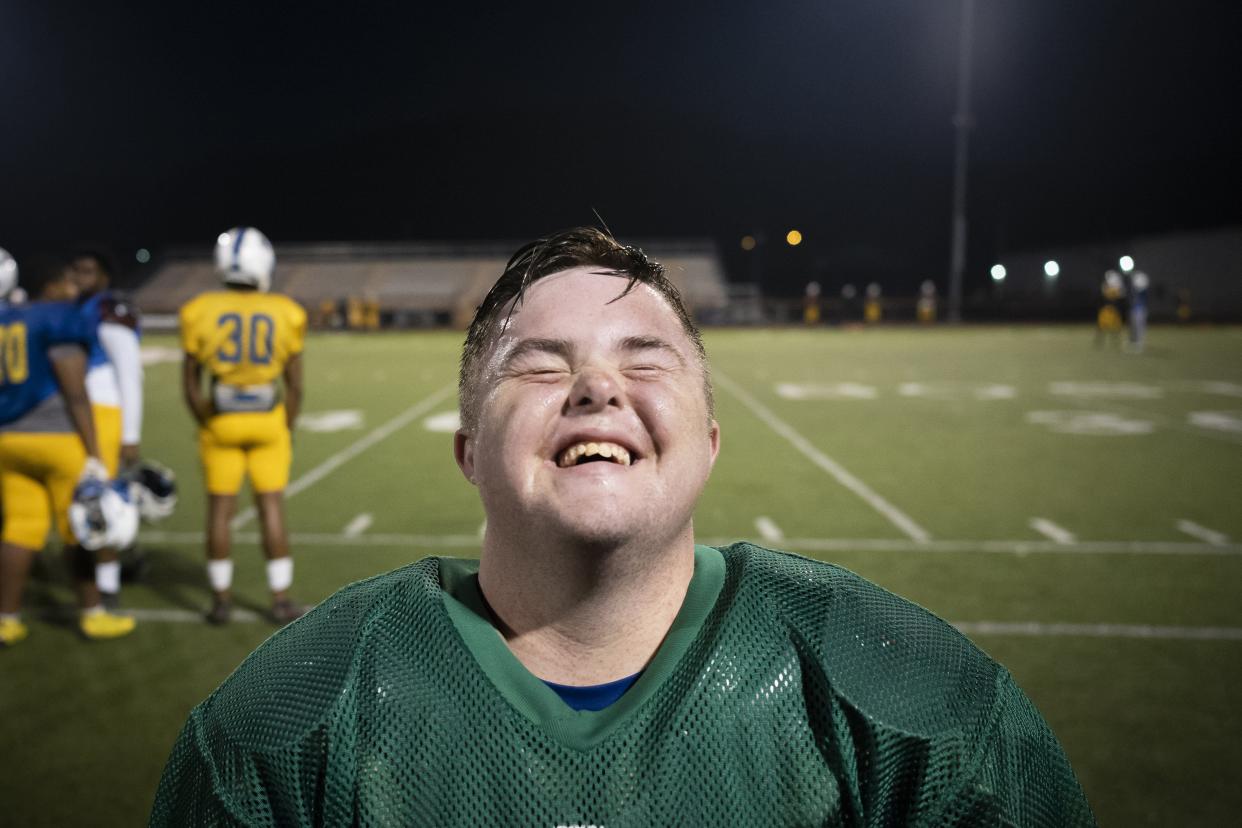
(585,300)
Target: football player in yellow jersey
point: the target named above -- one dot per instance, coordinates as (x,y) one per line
(249,342)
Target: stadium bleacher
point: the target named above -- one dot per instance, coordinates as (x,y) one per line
(410,280)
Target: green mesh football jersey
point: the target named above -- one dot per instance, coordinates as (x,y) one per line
(788,692)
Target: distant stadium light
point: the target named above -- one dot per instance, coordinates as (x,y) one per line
(1127,264)
(1052,269)
(143,255)
(999,273)
(748,242)
(794,238)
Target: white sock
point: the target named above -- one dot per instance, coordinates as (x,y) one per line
(95,610)
(10,616)
(280,574)
(108,576)
(220,574)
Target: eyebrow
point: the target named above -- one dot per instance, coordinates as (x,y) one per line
(540,345)
(650,343)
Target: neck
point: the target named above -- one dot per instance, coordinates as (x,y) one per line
(579,614)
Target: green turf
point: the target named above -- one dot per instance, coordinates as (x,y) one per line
(1150,724)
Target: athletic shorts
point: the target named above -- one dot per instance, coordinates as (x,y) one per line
(108,435)
(38,473)
(232,446)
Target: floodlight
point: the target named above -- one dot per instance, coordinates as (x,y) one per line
(1052,269)
(999,273)
(1127,264)
(794,237)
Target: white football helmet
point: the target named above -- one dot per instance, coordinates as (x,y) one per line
(103,514)
(154,489)
(1139,280)
(8,273)
(244,257)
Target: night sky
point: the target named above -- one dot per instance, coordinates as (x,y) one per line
(150,124)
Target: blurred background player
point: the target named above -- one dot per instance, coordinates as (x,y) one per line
(1108,320)
(1138,310)
(247,339)
(925,310)
(812,304)
(873,307)
(47,447)
(114,382)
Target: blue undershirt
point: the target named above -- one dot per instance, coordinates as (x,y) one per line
(596,696)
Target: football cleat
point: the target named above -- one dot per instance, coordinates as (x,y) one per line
(154,490)
(102,625)
(221,612)
(12,630)
(244,258)
(8,273)
(103,514)
(286,611)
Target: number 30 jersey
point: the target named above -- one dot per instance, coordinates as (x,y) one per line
(243,337)
(26,332)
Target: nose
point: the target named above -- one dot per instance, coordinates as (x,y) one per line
(594,390)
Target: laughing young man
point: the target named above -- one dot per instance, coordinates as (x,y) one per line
(595,666)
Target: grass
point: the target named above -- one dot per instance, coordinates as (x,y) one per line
(1149,723)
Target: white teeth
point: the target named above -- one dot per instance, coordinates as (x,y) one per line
(612,451)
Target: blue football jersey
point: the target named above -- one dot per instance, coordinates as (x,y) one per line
(26,333)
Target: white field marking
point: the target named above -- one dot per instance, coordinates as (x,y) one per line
(1203,533)
(157,355)
(768,530)
(1226,421)
(358,525)
(355,448)
(1090,423)
(1042,630)
(1032,629)
(329,421)
(849,481)
(842,545)
(995,391)
(1225,389)
(821,391)
(1050,530)
(1124,390)
(446,422)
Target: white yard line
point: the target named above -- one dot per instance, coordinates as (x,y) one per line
(354,449)
(1050,530)
(1041,630)
(823,461)
(1031,629)
(358,525)
(844,545)
(768,530)
(1203,533)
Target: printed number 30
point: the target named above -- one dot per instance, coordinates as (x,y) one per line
(257,346)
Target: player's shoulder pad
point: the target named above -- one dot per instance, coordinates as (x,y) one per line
(289,686)
(883,655)
(119,310)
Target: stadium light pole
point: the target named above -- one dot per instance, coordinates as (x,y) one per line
(962,124)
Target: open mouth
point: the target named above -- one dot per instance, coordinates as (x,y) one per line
(593,452)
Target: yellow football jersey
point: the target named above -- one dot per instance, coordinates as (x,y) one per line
(243,337)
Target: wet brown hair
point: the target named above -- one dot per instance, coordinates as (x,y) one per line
(578,247)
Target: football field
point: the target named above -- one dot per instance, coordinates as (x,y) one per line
(1077,512)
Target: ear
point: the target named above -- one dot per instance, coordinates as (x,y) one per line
(463,453)
(713,436)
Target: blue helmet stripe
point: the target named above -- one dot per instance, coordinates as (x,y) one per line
(241,234)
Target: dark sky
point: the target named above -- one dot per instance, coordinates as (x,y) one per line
(146,124)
